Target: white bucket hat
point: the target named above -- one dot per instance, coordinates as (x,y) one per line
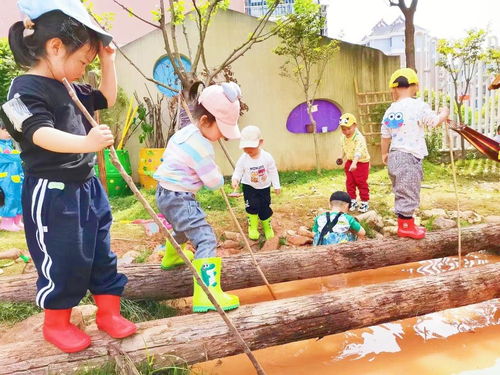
(73,8)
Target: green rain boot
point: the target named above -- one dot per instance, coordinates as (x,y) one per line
(209,270)
(253,226)
(171,259)
(268,229)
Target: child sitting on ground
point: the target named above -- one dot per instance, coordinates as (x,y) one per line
(403,147)
(11,179)
(256,170)
(336,226)
(357,162)
(188,165)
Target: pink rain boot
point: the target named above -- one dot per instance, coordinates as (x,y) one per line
(18,220)
(9,225)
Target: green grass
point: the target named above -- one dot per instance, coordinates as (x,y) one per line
(146,367)
(11,313)
(143,256)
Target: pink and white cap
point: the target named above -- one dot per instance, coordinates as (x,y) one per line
(222,102)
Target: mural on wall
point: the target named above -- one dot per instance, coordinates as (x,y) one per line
(326,114)
(164,72)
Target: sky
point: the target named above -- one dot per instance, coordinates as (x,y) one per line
(443,18)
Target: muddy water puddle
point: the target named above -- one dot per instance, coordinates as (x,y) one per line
(461,341)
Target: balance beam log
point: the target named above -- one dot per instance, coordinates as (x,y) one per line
(149,281)
(201,337)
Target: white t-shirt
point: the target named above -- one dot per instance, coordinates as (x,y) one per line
(259,173)
(404,122)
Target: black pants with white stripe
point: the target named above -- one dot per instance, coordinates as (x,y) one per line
(67,230)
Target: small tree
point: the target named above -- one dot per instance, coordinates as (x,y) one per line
(307,53)
(460,59)
(409,13)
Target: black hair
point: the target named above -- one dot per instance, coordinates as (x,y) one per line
(28,50)
(341,196)
(199,110)
(2,125)
(403,82)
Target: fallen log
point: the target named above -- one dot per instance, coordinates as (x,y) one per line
(201,337)
(148,281)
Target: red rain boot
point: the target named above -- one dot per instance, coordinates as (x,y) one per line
(109,319)
(58,330)
(407,228)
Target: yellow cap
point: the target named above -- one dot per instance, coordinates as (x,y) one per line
(401,76)
(347,120)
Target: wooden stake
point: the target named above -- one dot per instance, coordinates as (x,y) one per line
(164,230)
(455,185)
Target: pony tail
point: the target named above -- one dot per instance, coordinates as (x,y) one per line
(22,53)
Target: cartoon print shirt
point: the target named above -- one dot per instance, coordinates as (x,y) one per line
(341,232)
(259,173)
(404,122)
(355,147)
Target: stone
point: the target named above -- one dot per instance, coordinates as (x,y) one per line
(290,232)
(390,230)
(271,244)
(390,221)
(227,252)
(228,244)
(304,231)
(470,216)
(155,258)
(435,212)
(378,236)
(372,218)
(492,219)
(443,223)
(232,236)
(298,240)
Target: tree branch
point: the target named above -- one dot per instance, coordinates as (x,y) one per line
(176,64)
(134,65)
(136,15)
(254,38)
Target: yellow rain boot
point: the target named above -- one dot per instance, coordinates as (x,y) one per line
(171,259)
(253,226)
(209,270)
(268,229)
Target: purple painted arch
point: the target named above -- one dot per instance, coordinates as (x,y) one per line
(327,116)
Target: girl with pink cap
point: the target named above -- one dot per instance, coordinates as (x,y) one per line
(188,165)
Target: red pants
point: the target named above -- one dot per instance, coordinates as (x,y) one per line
(357,178)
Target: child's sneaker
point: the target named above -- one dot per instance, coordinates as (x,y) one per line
(363,207)
(354,205)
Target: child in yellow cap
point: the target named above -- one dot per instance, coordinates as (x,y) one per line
(357,162)
(403,146)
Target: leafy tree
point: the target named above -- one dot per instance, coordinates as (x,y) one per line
(8,69)
(307,53)
(493,60)
(171,17)
(460,59)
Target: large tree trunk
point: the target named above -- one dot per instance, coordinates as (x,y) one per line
(150,282)
(410,39)
(201,337)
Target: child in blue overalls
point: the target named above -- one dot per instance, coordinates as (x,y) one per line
(11,178)
(67,216)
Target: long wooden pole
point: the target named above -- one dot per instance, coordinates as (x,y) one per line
(288,265)
(198,338)
(164,230)
(455,186)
